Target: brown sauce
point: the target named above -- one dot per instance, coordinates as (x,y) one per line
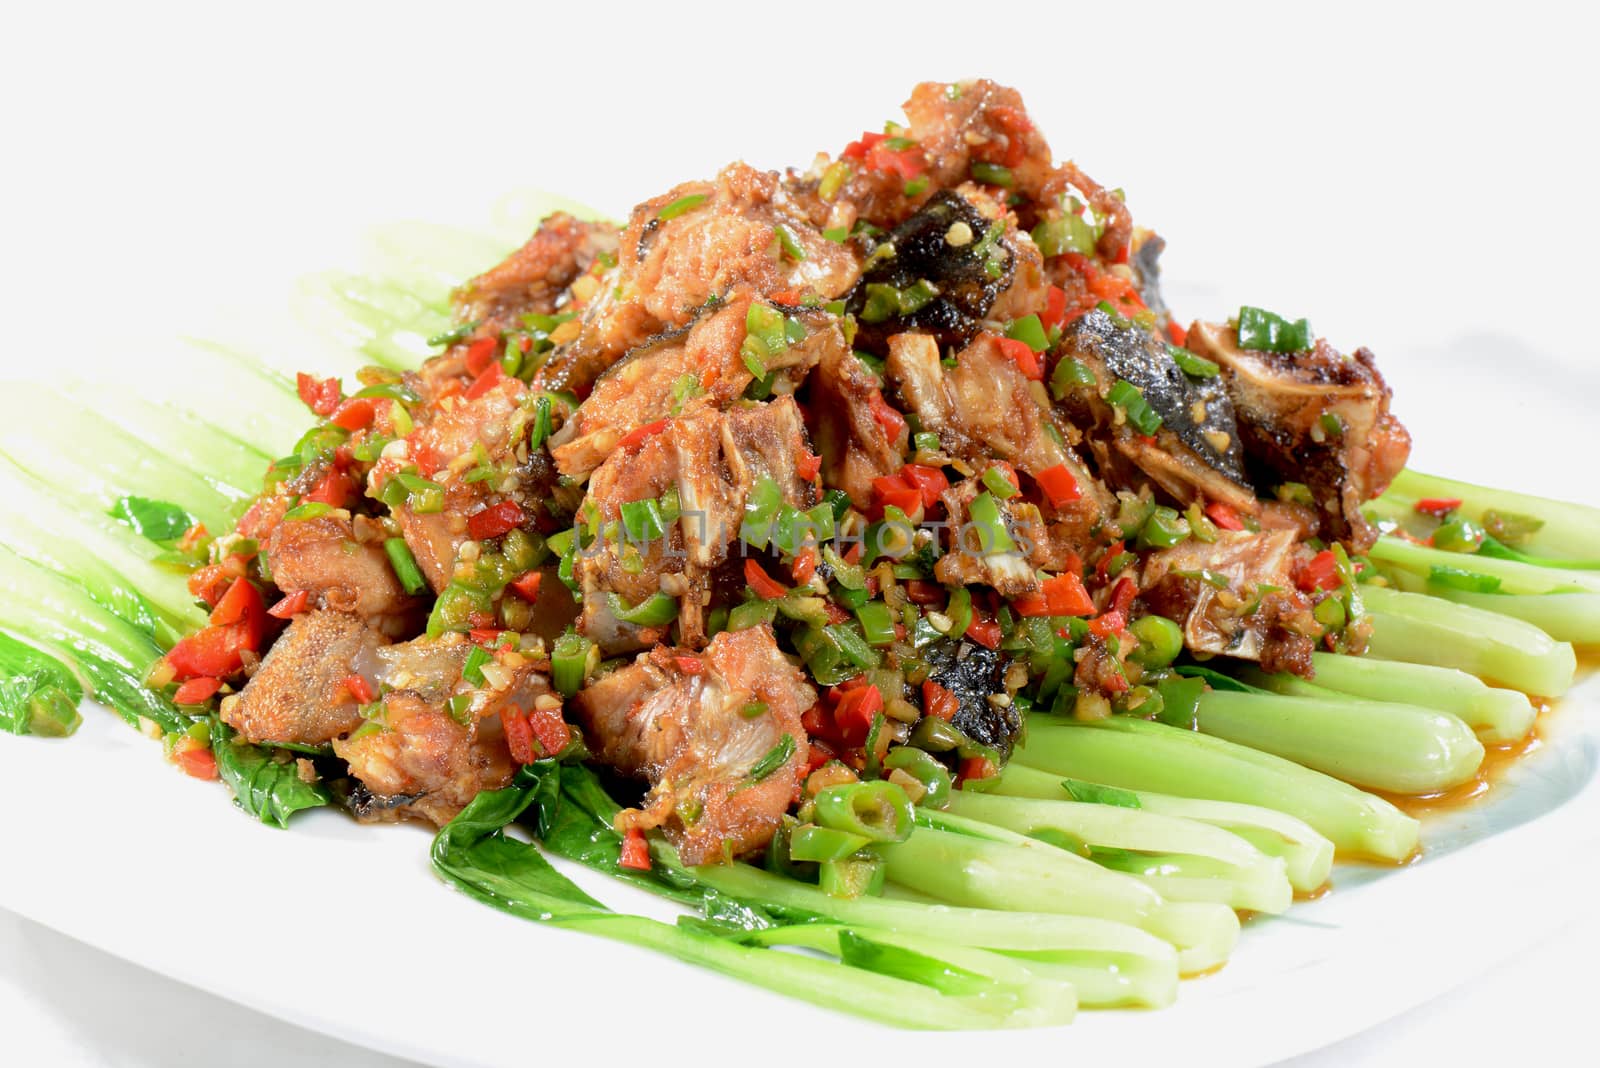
(1497,759)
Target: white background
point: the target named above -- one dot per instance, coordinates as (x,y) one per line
(1418,180)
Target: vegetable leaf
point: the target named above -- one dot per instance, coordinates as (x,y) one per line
(38,694)
(1095,794)
(160,521)
(266,788)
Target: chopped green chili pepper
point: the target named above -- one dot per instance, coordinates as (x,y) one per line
(1030,331)
(643,520)
(1069,233)
(877,623)
(960,611)
(1262,331)
(998,484)
(992,534)
(992,174)
(1160,641)
(879,810)
(1459,579)
(852,646)
(309,510)
(810,843)
(790,246)
(655,610)
(921,766)
(1164,529)
(923,441)
(1143,418)
(423,496)
(751,614)
(1192,365)
(760,512)
(1068,375)
(681,205)
(860,875)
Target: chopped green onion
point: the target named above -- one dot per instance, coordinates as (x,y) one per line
(405,565)
(923,441)
(1262,331)
(1030,331)
(569,663)
(681,205)
(754,710)
(541,422)
(838,234)
(472,670)
(456,333)
(992,174)
(917,186)
(1332,424)
(775,758)
(392,391)
(1143,418)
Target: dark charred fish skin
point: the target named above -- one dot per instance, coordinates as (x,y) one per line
(973,673)
(959,271)
(1127,352)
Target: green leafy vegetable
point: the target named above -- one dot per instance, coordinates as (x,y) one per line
(267,788)
(160,521)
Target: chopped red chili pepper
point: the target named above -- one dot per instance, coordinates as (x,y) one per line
(808,466)
(197,762)
(495,520)
(1321,573)
(637,437)
(1026,359)
(549,730)
(766,587)
(986,632)
(1224,515)
(892,422)
(519,735)
(359,688)
(291,605)
(356,413)
(526,585)
(480,354)
(1059,484)
(196,691)
(490,378)
(938,701)
(321,395)
(635,851)
(1439,507)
